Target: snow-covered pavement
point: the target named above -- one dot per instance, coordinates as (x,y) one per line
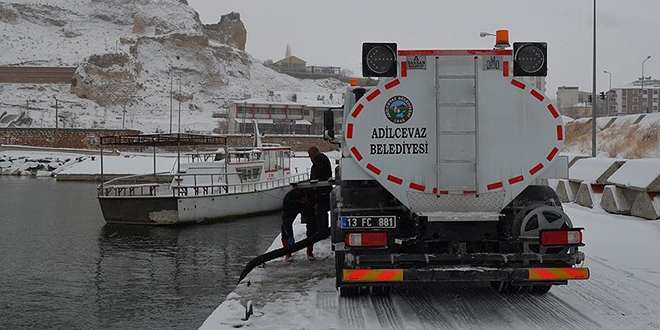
(623,292)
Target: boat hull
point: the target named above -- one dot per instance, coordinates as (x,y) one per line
(190,209)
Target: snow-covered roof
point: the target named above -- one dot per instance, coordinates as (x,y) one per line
(269,121)
(307,99)
(648,84)
(291,60)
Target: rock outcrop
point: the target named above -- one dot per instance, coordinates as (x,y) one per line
(230,30)
(108,79)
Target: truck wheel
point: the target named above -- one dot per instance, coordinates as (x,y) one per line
(541,289)
(349,291)
(535,218)
(504,287)
(379,290)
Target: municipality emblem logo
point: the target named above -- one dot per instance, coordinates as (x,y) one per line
(398,109)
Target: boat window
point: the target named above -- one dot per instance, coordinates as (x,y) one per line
(255,155)
(280,160)
(286,159)
(268,161)
(249,174)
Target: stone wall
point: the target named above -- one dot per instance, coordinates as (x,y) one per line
(90,138)
(58,138)
(36,75)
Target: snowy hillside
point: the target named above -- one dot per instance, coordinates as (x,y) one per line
(631,136)
(130,54)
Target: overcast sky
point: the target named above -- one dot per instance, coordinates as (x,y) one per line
(331,32)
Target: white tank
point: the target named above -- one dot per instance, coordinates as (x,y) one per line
(454,131)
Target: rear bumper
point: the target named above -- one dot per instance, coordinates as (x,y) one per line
(386,260)
(359,276)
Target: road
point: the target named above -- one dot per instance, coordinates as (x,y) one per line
(623,292)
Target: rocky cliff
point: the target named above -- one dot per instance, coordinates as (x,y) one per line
(137,61)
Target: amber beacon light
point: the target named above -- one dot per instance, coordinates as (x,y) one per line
(502,39)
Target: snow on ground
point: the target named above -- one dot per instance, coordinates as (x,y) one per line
(82,162)
(126,163)
(33,162)
(623,292)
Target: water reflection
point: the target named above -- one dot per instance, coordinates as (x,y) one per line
(144,273)
(61,267)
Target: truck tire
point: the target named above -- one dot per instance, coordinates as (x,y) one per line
(537,195)
(349,291)
(540,288)
(537,217)
(504,287)
(379,290)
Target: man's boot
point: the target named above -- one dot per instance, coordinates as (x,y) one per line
(310,253)
(285,243)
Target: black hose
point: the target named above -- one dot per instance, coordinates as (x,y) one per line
(268,256)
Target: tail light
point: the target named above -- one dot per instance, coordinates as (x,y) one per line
(571,236)
(366,239)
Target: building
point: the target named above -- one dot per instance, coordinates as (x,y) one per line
(632,99)
(297,67)
(284,113)
(330,70)
(575,103)
(537,82)
(291,64)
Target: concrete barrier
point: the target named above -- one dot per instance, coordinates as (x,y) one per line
(591,174)
(566,190)
(617,200)
(573,158)
(638,174)
(589,194)
(594,170)
(646,205)
(643,177)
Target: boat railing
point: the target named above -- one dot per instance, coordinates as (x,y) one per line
(199,185)
(224,188)
(135,185)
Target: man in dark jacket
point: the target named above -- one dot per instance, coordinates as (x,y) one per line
(321,171)
(297,201)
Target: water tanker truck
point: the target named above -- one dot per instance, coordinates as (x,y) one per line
(440,169)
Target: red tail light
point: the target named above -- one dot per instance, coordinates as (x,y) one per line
(571,236)
(366,239)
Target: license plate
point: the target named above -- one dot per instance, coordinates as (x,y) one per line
(388,221)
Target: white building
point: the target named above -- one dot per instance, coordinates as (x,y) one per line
(284,113)
(631,98)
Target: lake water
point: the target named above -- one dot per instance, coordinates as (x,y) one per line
(62,267)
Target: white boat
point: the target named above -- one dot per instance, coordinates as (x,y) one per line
(229,182)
